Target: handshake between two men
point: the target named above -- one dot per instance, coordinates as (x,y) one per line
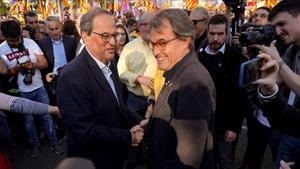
(137,133)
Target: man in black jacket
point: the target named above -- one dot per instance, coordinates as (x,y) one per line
(282,117)
(223,63)
(58,49)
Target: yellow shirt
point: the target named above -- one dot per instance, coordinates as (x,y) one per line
(159,82)
(137,59)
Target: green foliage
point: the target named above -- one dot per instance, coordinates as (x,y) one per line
(4,7)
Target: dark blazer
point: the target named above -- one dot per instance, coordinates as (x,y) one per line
(282,117)
(181,127)
(232,102)
(96,124)
(47,48)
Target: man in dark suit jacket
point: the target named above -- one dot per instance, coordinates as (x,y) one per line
(223,63)
(90,98)
(58,50)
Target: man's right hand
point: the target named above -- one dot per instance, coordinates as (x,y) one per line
(272,50)
(49,77)
(146,81)
(284,165)
(25,34)
(235,39)
(38,36)
(137,135)
(15,70)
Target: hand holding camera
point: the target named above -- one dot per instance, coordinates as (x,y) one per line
(50,77)
(269,71)
(28,65)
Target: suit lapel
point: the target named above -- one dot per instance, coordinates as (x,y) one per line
(66,47)
(50,53)
(99,76)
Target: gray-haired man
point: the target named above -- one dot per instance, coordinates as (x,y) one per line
(180,134)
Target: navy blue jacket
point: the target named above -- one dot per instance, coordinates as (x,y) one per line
(97,125)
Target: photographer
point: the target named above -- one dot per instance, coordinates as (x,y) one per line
(24,60)
(281,115)
(283,17)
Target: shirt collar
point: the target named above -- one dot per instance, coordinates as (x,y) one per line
(210,52)
(57,41)
(170,73)
(101,65)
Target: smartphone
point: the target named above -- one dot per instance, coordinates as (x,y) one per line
(250,71)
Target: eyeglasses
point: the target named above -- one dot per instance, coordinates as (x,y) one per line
(161,44)
(197,21)
(261,15)
(120,33)
(106,37)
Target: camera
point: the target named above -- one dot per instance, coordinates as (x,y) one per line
(28,73)
(237,6)
(262,35)
(233,3)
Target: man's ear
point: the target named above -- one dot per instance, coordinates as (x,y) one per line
(85,37)
(187,41)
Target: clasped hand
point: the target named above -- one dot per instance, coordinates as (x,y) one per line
(137,133)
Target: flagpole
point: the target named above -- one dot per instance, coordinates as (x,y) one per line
(60,9)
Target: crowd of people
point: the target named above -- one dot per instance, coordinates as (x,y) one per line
(161,88)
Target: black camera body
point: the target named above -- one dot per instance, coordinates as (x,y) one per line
(262,35)
(28,73)
(233,3)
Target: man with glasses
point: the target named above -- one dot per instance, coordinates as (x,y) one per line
(260,16)
(89,96)
(223,63)
(181,126)
(200,17)
(137,68)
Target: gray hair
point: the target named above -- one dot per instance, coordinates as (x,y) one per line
(86,21)
(145,16)
(52,18)
(181,24)
(201,10)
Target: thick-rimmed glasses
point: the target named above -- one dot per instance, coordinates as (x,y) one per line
(161,44)
(106,37)
(120,34)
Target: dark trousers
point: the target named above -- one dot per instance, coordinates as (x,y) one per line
(224,151)
(259,136)
(138,105)
(288,150)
